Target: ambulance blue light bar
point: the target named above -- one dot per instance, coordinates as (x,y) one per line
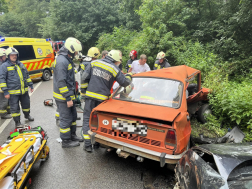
(48,39)
(2,39)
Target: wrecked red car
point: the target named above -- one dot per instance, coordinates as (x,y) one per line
(149,118)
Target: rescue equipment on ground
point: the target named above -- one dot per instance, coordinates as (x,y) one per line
(19,153)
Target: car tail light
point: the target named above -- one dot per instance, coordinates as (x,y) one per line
(94,120)
(171,138)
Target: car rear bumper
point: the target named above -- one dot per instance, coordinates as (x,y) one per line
(135,150)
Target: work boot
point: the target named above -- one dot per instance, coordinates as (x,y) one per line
(88,148)
(74,137)
(7,116)
(29,118)
(17,124)
(96,145)
(78,118)
(69,143)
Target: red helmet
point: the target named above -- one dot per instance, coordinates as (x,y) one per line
(133,52)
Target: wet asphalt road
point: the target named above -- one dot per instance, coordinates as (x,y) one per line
(74,168)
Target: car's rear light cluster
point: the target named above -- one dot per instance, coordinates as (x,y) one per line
(94,120)
(170,139)
(133,138)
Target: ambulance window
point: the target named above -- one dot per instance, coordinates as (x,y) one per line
(5,47)
(26,52)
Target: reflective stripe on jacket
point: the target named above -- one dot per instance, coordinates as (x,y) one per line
(63,79)
(14,78)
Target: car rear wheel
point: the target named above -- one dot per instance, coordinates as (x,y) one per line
(46,75)
(203,112)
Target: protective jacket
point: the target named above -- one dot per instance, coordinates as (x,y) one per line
(14,78)
(63,79)
(129,63)
(158,65)
(84,82)
(102,74)
(0,68)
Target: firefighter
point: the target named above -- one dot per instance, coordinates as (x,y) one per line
(78,57)
(133,56)
(102,74)
(3,101)
(93,54)
(161,61)
(64,92)
(14,81)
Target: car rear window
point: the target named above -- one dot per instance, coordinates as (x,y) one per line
(156,91)
(26,52)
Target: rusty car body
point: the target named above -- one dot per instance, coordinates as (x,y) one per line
(152,120)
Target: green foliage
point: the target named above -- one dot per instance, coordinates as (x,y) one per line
(3,6)
(22,20)
(84,19)
(230,100)
(118,39)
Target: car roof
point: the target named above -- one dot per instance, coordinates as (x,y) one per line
(180,73)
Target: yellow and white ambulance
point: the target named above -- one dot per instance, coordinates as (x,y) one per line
(36,54)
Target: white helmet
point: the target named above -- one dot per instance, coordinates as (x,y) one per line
(160,55)
(11,50)
(116,55)
(2,52)
(73,45)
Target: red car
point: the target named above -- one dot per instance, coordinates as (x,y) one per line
(149,118)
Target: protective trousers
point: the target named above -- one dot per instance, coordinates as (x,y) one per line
(67,117)
(14,100)
(90,104)
(57,114)
(3,105)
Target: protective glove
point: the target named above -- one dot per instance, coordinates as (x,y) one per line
(129,75)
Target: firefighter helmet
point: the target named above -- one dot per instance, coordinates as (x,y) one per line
(2,52)
(133,53)
(160,55)
(73,45)
(11,50)
(116,55)
(93,52)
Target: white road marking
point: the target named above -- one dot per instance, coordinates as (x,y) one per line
(7,121)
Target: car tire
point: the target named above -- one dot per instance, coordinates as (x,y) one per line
(46,75)
(204,109)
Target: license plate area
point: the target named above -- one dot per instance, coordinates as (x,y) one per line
(129,126)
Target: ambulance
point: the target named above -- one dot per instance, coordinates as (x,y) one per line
(36,54)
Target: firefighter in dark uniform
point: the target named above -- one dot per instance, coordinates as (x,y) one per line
(161,62)
(14,81)
(64,92)
(93,54)
(79,58)
(3,101)
(133,56)
(101,74)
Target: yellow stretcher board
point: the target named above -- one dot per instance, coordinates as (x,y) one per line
(20,153)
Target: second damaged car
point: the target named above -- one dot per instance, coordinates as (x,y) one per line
(213,166)
(149,118)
